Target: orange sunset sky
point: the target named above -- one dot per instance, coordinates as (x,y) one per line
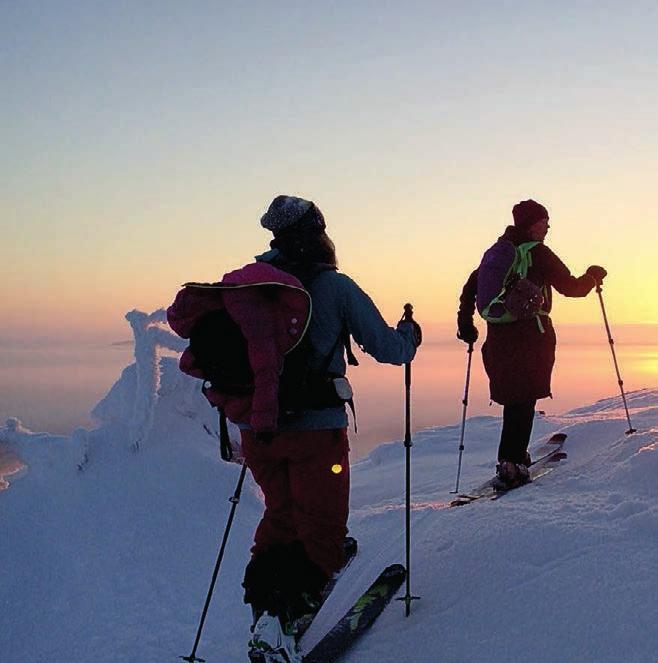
(142,143)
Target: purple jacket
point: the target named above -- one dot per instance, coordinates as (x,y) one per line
(517,356)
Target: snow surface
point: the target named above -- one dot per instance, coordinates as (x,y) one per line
(110,537)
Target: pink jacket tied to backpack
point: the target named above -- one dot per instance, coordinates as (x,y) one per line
(272,320)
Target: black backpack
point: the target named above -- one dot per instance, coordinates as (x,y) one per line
(225,365)
(226,368)
(220,351)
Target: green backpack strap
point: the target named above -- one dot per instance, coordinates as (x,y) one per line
(527,262)
(522,261)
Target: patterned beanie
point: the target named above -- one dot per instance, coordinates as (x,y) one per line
(527,213)
(285,212)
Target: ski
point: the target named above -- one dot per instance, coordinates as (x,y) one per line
(549,455)
(359,617)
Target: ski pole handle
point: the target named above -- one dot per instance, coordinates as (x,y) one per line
(408,316)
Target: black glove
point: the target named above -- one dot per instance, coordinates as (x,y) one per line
(597,273)
(468,334)
(415,329)
(418,333)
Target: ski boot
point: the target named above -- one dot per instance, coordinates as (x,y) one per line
(511,475)
(271,643)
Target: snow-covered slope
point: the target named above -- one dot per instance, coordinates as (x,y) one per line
(561,570)
(107,550)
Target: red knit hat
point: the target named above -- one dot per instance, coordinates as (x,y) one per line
(527,213)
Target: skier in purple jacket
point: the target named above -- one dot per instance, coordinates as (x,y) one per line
(519,356)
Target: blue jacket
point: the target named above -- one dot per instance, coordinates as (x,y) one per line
(338,304)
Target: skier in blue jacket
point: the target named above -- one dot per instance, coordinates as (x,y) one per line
(303,470)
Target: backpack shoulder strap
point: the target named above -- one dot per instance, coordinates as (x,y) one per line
(225,449)
(523,259)
(345,340)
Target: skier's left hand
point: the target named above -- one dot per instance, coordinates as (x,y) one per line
(468,334)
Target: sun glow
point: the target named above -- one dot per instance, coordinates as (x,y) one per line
(648,363)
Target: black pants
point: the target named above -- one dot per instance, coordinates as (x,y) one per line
(279,580)
(517,427)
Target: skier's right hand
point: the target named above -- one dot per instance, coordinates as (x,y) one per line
(468,334)
(597,273)
(416,331)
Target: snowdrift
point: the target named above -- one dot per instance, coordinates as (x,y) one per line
(110,536)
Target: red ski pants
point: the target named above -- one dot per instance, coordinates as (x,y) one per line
(305,478)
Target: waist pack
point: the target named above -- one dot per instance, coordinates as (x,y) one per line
(249,345)
(504,294)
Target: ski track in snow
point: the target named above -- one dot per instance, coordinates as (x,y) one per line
(108,552)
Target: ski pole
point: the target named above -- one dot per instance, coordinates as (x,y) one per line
(614,359)
(408,598)
(235,500)
(465,404)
